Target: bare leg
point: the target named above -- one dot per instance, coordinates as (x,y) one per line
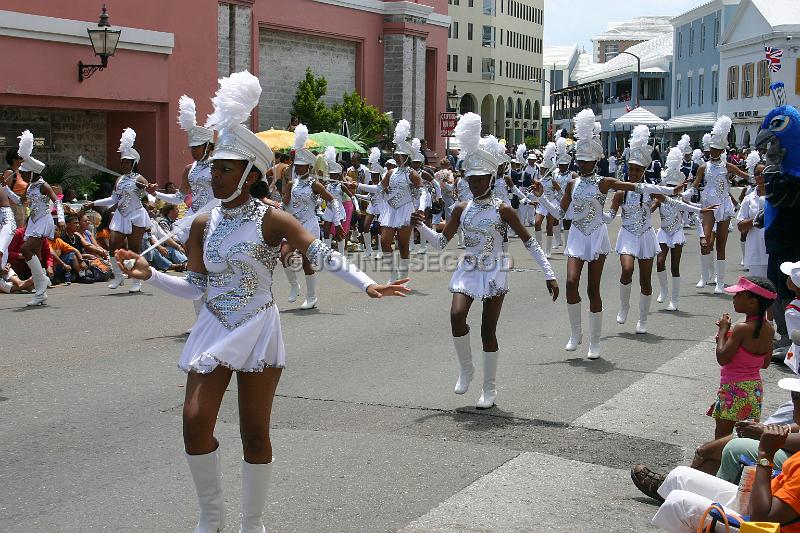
(574,269)
(203,397)
(459,310)
(489,319)
(723,428)
(256,393)
(593,289)
(135,239)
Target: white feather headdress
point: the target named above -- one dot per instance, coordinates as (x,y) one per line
(415,144)
(491,144)
(548,157)
(402,131)
(300,136)
(25,145)
(467,133)
(640,152)
(753,159)
(697,156)
(674,159)
(685,144)
(557,136)
(127,140)
(416,153)
(521,149)
(330,155)
(588,147)
(719,133)
(187,113)
(584,125)
(236,98)
(374,156)
(706,142)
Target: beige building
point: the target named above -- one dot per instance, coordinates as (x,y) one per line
(494,51)
(619,36)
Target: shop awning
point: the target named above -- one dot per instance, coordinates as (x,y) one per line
(690,122)
(638,116)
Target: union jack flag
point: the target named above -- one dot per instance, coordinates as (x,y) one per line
(774,56)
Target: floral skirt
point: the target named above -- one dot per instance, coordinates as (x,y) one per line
(738,401)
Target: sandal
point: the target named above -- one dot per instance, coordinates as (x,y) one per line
(647,481)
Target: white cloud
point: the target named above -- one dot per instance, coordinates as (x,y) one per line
(571,21)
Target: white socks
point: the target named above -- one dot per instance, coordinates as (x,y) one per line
(328,240)
(576,336)
(119,277)
(624,302)
(676,292)
(537,234)
(662,281)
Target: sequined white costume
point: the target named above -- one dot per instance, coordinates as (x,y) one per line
(636,236)
(550,193)
(501,191)
(40,222)
(239,326)
(590,241)
(717,190)
(199,178)
(755,248)
(463,193)
(8,226)
(399,201)
(671,230)
(331,213)
(127,196)
(303,205)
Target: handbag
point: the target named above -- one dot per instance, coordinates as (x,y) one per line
(760,527)
(720,515)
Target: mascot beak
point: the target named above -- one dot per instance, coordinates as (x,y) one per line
(764,137)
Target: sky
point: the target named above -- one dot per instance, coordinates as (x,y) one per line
(563,26)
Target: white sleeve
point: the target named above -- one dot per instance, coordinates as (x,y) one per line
(60,211)
(107,202)
(649,188)
(368,188)
(322,257)
(684,206)
(192,286)
(539,256)
(12,196)
(173,199)
(552,207)
(438,189)
(438,240)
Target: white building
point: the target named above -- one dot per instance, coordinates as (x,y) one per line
(745,94)
(619,36)
(494,51)
(559,63)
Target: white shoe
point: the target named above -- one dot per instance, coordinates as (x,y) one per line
(422,250)
(255,485)
(595,329)
(489,392)
(309,303)
(311,293)
(466,368)
(676,291)
(576,337)
(644,311)
(207,477)
(38,299)
(136,286)
(5,286)
(119,277)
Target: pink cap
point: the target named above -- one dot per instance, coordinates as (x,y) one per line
(745,284)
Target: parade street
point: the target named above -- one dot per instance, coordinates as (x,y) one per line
(367,433)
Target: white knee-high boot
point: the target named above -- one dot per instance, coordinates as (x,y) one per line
(387,265)
(207,477)
(340,246)
(489,393)
(255,486)
(328,241)
(557,235)
(624,302)
(367,244)
(595,330)
(402,269)
(705,267)
(548,246)
(662,281)
(294,286)
(311,292)
(741,263)
(576,336)
(466,368)
(676,292)
(644,310)
(119,277)
(719,288)
(40,281)
(537,234)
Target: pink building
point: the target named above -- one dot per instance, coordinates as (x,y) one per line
(391,52)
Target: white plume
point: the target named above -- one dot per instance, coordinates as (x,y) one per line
(374,155)
(236,97)
(684,143)
(300,136)
(187,113)
(722,127)
(706,139)
(598,129)
(558,135)
(330,155)
(402,131)
(492,145)
(584,125)
(25,144)
(639,137)
(127,140)
(415,144)
(697,156)
(468,133)
(561,146)
(674,159)
(550,151)
(753,159)
(521,149)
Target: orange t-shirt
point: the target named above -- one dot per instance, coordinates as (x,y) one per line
(58,245)
(786,487)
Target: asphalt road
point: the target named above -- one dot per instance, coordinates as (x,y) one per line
(367,433)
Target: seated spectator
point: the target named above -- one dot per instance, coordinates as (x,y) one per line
(10,282)
(169,255)
(688,493)
(102,232)
(77,234)
(67,260)
(17,261)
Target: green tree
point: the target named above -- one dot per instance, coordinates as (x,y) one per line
(532,141)
(366,123)
(308,106)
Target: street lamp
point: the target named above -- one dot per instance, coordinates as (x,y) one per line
(104,42)
(638,74)
(453,100)
(543,81)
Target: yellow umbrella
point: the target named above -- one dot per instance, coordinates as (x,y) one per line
(282,139)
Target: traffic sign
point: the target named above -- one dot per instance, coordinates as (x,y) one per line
(448,120)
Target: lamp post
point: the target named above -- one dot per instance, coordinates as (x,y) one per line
(104,42)
(543,81)
(638,74)
(453,100)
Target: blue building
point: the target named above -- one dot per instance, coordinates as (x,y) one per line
(696,68)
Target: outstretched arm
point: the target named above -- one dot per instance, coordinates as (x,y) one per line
(509,216)
(439,240)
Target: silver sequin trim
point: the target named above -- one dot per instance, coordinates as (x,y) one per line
(197,279)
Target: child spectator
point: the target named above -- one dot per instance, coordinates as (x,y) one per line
(742,352)
(10,282)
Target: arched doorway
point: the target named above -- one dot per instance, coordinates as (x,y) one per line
(746,139)
(537,110)
(468,104)
(527,114)
(487,114)
(500,117)
(732,137)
